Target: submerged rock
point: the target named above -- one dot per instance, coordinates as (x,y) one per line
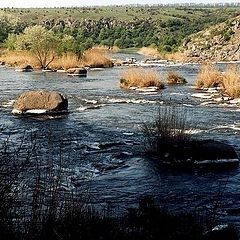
(205,154)
(40,103)
(211,153)
(222,232)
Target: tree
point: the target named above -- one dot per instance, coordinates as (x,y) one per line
(41,42)
(11,41)
(66,44)
(8,24)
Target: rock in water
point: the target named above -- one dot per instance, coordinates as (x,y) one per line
(26,68)
(40,103)
(80,72)
(205,154)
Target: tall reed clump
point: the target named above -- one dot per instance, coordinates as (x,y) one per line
(66,61)
(139,77)
(231,82)
(168,132)
(19,58)
(209,76)
(96,58)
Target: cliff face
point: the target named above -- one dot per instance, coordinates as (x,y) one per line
(217,43)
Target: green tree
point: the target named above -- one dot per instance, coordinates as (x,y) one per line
(9,24)
(11,41)
(41,42)
(66,44)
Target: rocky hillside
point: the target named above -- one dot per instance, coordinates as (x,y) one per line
(220,42)
(162,27)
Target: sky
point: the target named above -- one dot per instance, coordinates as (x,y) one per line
(71,3)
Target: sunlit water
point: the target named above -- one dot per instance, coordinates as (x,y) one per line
(106,143)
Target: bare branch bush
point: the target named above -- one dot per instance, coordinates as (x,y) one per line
(168,132)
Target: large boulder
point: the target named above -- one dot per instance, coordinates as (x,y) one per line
(40,102)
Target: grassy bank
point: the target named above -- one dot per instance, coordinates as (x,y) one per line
(90,58)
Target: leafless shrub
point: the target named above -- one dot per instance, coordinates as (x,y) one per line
(168,129)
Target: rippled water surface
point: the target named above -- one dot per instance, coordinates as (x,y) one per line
(106,143)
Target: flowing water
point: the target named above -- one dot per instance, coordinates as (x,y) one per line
(104,142)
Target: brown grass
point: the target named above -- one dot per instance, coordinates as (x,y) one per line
(66,61)
(91,58)
(19,58)
(139,77)
(96,58)
(231,82)
(209,76)
(174,78)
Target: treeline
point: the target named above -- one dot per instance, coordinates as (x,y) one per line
(81,28)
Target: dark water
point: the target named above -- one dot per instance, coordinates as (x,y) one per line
(102,113)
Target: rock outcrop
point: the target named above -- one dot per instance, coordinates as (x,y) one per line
(217,43)
(40,103)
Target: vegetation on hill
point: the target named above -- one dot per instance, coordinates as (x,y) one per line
(219,42)
(163,27)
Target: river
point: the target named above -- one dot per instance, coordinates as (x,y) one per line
(106,143)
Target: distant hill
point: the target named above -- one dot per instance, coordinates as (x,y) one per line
(220,42)
(162,27)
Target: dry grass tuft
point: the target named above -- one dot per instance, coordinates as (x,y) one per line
(209,76)
(168,129)
(174,78)
(139,77)
(231,82)
(96,58)
(19,58)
